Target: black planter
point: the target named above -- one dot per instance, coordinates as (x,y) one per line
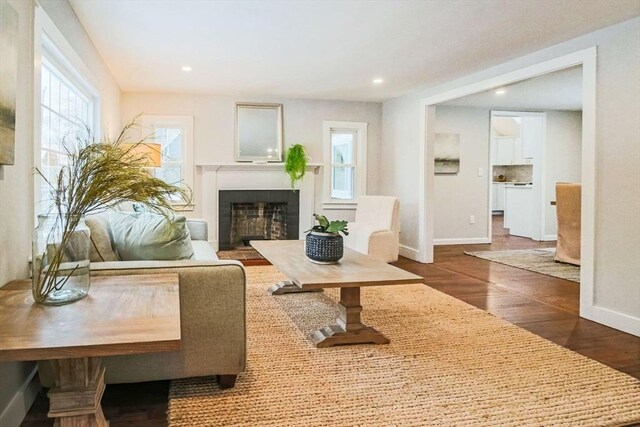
(324,248)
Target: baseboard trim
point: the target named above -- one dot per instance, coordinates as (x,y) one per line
(549,237)
(409,252)
(620,321)
(22,400)
(462,241)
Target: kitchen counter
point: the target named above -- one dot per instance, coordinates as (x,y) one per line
(518,210)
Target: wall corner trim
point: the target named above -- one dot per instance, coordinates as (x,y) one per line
(22,400)
(409,252)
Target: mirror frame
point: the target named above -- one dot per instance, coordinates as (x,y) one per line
(279,142)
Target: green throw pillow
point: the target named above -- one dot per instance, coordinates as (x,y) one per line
(147,236)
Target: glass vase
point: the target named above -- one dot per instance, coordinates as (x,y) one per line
(60,269)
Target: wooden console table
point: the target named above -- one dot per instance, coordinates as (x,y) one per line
(121,315)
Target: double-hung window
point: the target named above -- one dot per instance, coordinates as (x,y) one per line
(175,135)
(345,148)
(66,115)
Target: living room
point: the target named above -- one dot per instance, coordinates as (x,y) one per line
(325,71)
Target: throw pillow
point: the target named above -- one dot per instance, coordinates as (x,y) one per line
(100,248)
(148,236)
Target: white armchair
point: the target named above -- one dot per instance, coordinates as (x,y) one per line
(376,230)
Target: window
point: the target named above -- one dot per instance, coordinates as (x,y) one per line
(175,134)
(345,163)
(66,113)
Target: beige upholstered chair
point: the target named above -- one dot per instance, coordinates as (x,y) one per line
(376,230)
(568,211)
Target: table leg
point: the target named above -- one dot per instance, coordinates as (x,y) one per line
(348,328)
(74,399)
(288,287)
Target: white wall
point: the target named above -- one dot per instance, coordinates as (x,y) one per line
(214,118)
(16,182)
(400,145)
(616,287)
(562,159)
(456,197)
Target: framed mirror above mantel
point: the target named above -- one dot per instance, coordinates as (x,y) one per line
(258,132)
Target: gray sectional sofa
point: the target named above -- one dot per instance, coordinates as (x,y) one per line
(212,315)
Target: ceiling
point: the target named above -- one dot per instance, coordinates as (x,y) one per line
(561,90)
(326,49)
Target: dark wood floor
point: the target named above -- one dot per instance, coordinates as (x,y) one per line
(543,305)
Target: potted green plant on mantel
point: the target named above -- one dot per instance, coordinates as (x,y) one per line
(295,164)
(97,176)
(324,244)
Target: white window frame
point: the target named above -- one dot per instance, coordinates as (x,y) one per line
(149,122)
(50,46)
(360,130)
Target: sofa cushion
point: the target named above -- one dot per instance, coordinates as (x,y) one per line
(148,236)
(100,248)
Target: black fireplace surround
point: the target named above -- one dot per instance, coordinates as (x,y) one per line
(226,199)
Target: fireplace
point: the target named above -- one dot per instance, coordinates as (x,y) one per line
(246,215)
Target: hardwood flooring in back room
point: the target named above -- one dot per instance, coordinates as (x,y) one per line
(544,305)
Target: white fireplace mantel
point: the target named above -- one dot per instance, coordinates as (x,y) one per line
(248,166)
(253,176)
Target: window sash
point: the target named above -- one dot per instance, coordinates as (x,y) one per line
(355,161)
(63,117)
(350,192)
(161,129)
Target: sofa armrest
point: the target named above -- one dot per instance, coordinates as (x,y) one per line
(198,229)
(212,316)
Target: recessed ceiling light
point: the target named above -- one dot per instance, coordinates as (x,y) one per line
(186,68)
(501,92)
(377,81)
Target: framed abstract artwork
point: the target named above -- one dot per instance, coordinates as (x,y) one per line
(447,153)
(8,81)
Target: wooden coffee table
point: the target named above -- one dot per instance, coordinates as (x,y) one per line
(121,315)
(354,271)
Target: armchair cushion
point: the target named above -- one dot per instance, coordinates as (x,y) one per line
(376,229)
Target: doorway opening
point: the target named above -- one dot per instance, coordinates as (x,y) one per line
(585,59)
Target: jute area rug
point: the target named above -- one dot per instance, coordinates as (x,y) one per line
(448,364)
(536,260)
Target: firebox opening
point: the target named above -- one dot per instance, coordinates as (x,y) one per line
(257,221)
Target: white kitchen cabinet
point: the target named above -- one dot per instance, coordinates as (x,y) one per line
(532,135)
(504,150)
(510,151)
(497,196)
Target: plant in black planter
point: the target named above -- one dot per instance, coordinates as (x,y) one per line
(324,244)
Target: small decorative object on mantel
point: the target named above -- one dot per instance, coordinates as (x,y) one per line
(295,164)
(324,244)
(97,175)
